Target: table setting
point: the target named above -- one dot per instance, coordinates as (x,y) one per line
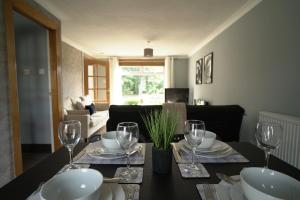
(102,170)
(76,181)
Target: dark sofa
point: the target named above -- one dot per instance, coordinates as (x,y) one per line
(225,120)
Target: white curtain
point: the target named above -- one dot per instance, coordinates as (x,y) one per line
(169,72)
(115,78)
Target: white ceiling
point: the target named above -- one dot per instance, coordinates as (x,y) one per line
(122,27)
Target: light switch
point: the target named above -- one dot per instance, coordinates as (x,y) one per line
(27,72)
(42,71)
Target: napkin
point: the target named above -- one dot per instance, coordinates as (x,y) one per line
(224,191)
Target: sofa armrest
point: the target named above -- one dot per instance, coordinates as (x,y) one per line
(84,120)
(78,112)
(101,106)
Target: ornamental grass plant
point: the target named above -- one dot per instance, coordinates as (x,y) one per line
(161,126)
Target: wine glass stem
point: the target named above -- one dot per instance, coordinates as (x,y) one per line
(71,155)
(193,156)
(267,155)
(128,161)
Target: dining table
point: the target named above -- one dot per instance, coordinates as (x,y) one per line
(154,186)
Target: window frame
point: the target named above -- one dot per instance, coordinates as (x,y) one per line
(142,63)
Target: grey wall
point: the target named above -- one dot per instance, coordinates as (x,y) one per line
(256,63)
(31,42)
(6,164)
(181,72)
(72,71)
(6,154)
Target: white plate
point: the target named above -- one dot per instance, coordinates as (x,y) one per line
(218,154)
(217,146)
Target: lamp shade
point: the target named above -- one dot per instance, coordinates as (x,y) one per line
(148,52)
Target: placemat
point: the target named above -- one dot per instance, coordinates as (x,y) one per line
(183,157)
(138,179)
(132,191)
(137,158)
(202,173)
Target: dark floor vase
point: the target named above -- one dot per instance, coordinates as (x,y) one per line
(161,160)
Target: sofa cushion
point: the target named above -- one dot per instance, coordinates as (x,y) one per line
(225,121)
(87,100)
(98,117)
(130,113)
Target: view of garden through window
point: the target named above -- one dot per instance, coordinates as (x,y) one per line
(143,85)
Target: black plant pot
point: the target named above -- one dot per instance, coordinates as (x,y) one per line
(161,160)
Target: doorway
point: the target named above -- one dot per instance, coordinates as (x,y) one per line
(52,28)
(32,64)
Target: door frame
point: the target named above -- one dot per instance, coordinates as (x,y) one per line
(105,63)
(54,28)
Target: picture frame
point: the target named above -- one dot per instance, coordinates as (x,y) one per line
(199,67)
(207,73)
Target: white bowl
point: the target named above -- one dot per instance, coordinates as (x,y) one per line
(109,140)
(266,184)
(83,184)
(208,141)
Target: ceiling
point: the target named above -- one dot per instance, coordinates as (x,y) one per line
(123,27)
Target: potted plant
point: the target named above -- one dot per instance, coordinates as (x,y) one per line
(161,126)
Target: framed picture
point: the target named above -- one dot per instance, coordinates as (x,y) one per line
(199,67)
(207,73)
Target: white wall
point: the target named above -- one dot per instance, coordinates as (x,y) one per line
(256,63)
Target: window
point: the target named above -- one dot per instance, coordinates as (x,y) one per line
(96,80)
(143,85)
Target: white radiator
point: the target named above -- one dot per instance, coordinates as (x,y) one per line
(289,149)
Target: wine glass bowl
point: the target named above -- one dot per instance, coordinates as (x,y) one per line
(268,136)
(69,133)
(127,137)
(194,135)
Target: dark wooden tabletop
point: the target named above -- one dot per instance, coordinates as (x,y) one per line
(171,186)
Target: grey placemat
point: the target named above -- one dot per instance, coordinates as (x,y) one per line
(184,157)
(132,191)
(202,173)
(138,179)
(138,158)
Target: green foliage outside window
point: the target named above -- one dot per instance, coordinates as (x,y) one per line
(130,85)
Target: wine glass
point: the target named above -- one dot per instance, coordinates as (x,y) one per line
(194,135)
(268,136)
(127,137)
(69,135)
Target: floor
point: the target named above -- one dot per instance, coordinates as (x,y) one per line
(31,159)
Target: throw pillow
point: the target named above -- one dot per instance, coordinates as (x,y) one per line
(87,100)
(80,105)
(91,108)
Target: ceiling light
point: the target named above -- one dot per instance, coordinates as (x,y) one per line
(148,52)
